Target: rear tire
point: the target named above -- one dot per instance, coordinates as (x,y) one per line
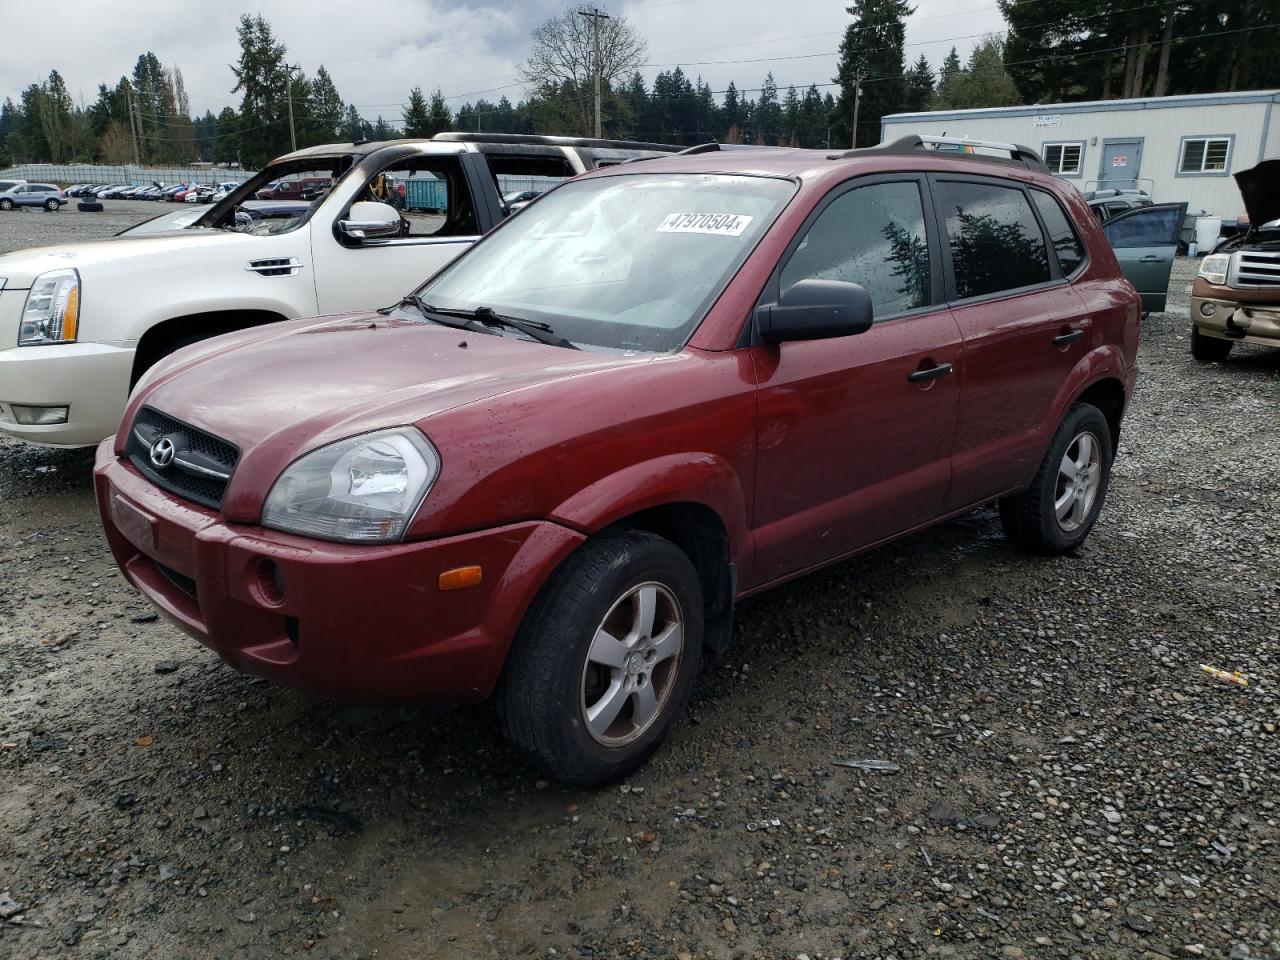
(605,659)
(1057,512)
(51,206)
(1209,349)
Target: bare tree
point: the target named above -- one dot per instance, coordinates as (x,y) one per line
(561,58)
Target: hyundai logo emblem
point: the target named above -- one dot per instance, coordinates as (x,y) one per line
(162,453)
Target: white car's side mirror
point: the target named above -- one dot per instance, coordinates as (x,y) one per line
(371,220)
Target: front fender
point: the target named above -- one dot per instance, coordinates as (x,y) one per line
(701,478)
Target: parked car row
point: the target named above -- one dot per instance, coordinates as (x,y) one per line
(178,192)
(548,473)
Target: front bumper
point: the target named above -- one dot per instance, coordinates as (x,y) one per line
(333,620)
(90,379)
(1242,322)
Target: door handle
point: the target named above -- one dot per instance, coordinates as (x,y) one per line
(931,373)
(1071,336)
(1151,258)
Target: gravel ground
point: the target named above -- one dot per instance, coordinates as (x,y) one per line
(1071,784)
(25,227)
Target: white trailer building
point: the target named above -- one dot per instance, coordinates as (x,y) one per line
(1175,148)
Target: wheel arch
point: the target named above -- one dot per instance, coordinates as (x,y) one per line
(159,338)
(1108,395)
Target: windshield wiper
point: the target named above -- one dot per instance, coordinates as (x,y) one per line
(431,313)
(534,329)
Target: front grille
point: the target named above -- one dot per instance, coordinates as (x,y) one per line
(1255,268)
(191,463)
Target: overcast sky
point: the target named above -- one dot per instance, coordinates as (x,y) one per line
(377,50)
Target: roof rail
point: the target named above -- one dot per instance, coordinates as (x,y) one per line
(914,143)
(461,136)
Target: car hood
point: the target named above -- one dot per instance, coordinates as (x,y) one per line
(281,390)
(1260,190)
(22,267)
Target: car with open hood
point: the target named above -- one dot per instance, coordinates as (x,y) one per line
(549,473)
(81,322)
(1235,297)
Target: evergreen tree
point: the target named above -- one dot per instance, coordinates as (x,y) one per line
(327,110)
(55,120)
(768,115)
(986,81)
(260,80)
(417,119)
(919,90)
(439,118)
(871,51)
(813,119)
(791,118)
(731,116)
(226,136)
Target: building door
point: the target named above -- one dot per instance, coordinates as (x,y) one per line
(1121,161)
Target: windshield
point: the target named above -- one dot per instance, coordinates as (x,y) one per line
(296,188)
(627,263)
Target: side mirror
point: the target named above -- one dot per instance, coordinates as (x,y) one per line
(370,220)
(816,310)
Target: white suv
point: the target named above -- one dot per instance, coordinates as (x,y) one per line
(80,323)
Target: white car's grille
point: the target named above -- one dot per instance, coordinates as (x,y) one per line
(1254,268)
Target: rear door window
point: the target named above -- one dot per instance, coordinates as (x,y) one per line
(874,236)
(1066,244)
(994,237)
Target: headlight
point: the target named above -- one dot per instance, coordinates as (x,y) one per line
(363,489)
(1214,267)
(52,311)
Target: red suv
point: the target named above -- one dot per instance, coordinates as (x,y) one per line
(549,473)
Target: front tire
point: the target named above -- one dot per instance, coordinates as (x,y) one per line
(1208,349)
(605,659)
(6,204)
(1057,512)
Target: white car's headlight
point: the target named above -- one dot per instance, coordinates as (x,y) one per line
(1214,267)
(52,310)
(363,489)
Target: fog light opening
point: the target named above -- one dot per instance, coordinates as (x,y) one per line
(268,582)
(1207,309)
(293,630)
(30,416)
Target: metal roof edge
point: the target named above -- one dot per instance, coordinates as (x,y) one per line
(1093,106)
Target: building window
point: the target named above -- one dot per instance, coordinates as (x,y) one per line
(1205,155)
(1063,159)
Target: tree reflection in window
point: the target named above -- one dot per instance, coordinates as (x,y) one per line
(873,236)
(996,243)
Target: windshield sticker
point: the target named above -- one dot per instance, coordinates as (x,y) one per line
(715,224)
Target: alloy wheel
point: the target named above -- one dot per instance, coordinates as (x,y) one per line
(632,665)
(1079,478)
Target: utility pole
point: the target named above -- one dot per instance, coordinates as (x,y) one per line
(288,95)
(596,16)
(133,132)
(857,102)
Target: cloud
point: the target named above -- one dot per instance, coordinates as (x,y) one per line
(378,49)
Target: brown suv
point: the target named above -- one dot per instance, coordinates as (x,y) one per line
(1236,297)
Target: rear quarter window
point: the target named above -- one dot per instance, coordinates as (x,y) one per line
(1062,235)
(994,237)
